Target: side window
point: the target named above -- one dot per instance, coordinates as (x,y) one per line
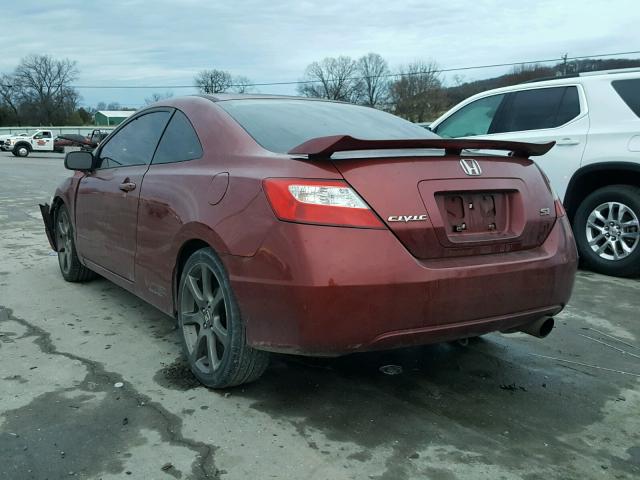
(46,134)
(629,91)
(179,142)
(537,109)
(472,119)
(136,142)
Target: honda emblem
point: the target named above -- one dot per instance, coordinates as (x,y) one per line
(470,167)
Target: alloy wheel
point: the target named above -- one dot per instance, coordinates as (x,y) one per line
(613,230)
(203,318)
(64,242)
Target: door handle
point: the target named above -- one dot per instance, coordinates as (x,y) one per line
(567,141)
(127,186)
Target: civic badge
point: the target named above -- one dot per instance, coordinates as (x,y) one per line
(470,167)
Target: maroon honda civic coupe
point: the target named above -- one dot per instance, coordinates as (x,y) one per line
(282,224)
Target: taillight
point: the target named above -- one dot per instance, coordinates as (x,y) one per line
(560,211)
(325,202)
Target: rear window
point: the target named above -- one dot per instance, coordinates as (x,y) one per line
(629,91)
(281,124)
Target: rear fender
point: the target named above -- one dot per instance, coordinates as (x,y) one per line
(191,233)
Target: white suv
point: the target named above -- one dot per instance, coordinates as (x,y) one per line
(594,118)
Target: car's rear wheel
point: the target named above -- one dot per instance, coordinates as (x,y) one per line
(607,230)
(70,267)
(21,151)
(212,331)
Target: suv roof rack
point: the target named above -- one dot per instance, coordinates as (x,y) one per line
(544,79)
(583,74)
(608,72)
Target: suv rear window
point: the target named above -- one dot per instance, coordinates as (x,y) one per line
(629,91)
(281,124)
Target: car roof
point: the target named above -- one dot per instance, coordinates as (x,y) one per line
(220,97)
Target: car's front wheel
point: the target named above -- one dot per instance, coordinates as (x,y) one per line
(212,331)
(607,230)
(70,267)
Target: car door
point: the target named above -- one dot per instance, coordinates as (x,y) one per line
(107,199)
(536,115)
(168,200)
(42,141)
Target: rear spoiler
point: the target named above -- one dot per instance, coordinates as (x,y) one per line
(324,147)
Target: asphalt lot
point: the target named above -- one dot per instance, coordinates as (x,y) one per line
(498,408)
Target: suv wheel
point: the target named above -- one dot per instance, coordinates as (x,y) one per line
(607,230)
(212,331)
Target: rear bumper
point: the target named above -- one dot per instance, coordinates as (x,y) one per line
(316,290)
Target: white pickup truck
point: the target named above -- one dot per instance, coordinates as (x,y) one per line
(40,141)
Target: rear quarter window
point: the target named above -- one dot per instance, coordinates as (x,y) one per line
(179,142)
(629,91)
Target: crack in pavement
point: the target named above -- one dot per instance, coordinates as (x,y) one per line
(112,408)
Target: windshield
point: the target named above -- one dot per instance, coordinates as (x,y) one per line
(281,124)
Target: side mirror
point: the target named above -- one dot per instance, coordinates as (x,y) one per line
(79,160)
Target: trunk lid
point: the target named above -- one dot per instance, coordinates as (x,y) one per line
(440,203)
(436,210)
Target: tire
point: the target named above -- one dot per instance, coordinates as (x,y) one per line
(607,230)
(70,267)
(21,151)
(209,322)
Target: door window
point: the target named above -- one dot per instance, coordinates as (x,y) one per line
(135,143)
(537,109)
(179,142)
(472,119)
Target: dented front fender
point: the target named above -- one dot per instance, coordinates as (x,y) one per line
(47,218)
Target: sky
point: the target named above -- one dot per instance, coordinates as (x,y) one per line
(164,43)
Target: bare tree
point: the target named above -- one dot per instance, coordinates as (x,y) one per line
(332,78)
(242,84)
(156,97)
(418,94)
(213,81)
(10,96)
(44,85)
(374,80)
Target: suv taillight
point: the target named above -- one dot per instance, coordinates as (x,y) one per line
(324,202)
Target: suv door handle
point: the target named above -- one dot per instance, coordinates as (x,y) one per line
(127,186)
(567,141)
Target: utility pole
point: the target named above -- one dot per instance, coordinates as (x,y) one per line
(564,64)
